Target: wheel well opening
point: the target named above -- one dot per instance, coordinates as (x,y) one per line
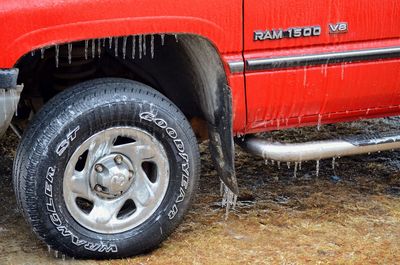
(182,67)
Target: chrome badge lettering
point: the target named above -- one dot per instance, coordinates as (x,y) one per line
(341,27)
(277,34)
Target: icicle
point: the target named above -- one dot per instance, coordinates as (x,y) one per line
(272,162)
(288,165)
(333,163)
(56,254)
(300,165)
(86,49)
(152,46)
(32,53)
(99,48)
(144,45)
(176,37)
(228,199)
(103,40)
(317,168)
(162,39)
(279,164)
(125,39)
(57,49)
(116,47)
(93,48)
(296,164)
(133,46)
(266,162)
(140,46)
(49,248)
(319,122)
(63,257)
(69,53)
(110,42)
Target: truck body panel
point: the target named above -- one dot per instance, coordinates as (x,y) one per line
(326,92)
(274,98)
(30,25)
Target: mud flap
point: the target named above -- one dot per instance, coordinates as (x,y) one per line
(221,139)
(9,97)
(215,101)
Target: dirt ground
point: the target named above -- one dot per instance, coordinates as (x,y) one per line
(346,215)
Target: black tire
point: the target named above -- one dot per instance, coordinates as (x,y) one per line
(95,106)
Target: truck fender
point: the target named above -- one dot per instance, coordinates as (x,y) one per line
(215,100)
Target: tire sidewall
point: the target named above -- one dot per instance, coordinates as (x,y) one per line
(75,125)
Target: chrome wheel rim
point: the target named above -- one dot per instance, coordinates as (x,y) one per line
(116,180)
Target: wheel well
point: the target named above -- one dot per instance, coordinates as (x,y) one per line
(182,67)
(187,69)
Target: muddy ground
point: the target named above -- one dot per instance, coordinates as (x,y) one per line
(349,215)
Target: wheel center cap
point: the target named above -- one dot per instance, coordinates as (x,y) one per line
(112,175)
(118,181)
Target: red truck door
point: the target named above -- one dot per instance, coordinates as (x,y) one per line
(313,60)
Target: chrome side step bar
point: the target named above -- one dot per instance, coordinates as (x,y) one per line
(316,150)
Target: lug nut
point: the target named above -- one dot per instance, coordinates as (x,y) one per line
(99,168)
(98,188)
(118,159)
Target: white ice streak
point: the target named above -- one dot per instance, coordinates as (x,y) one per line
(228,199)
(133,47)
(152,46)
(86,48)
(93,48)
(296,164)
(110,42)
(57,50)
(144,45)
(69,53)
(140,46)
(162,39)
(99,47)
(124,40)
(319,122)
(116,47)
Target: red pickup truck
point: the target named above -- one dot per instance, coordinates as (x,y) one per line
(110,99)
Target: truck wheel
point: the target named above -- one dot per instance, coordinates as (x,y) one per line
(107,169)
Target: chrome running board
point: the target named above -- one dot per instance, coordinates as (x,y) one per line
(316,150)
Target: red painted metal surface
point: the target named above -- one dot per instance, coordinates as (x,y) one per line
(317,94)
(31,24)
(275,98)
(284,98)
(367,20)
